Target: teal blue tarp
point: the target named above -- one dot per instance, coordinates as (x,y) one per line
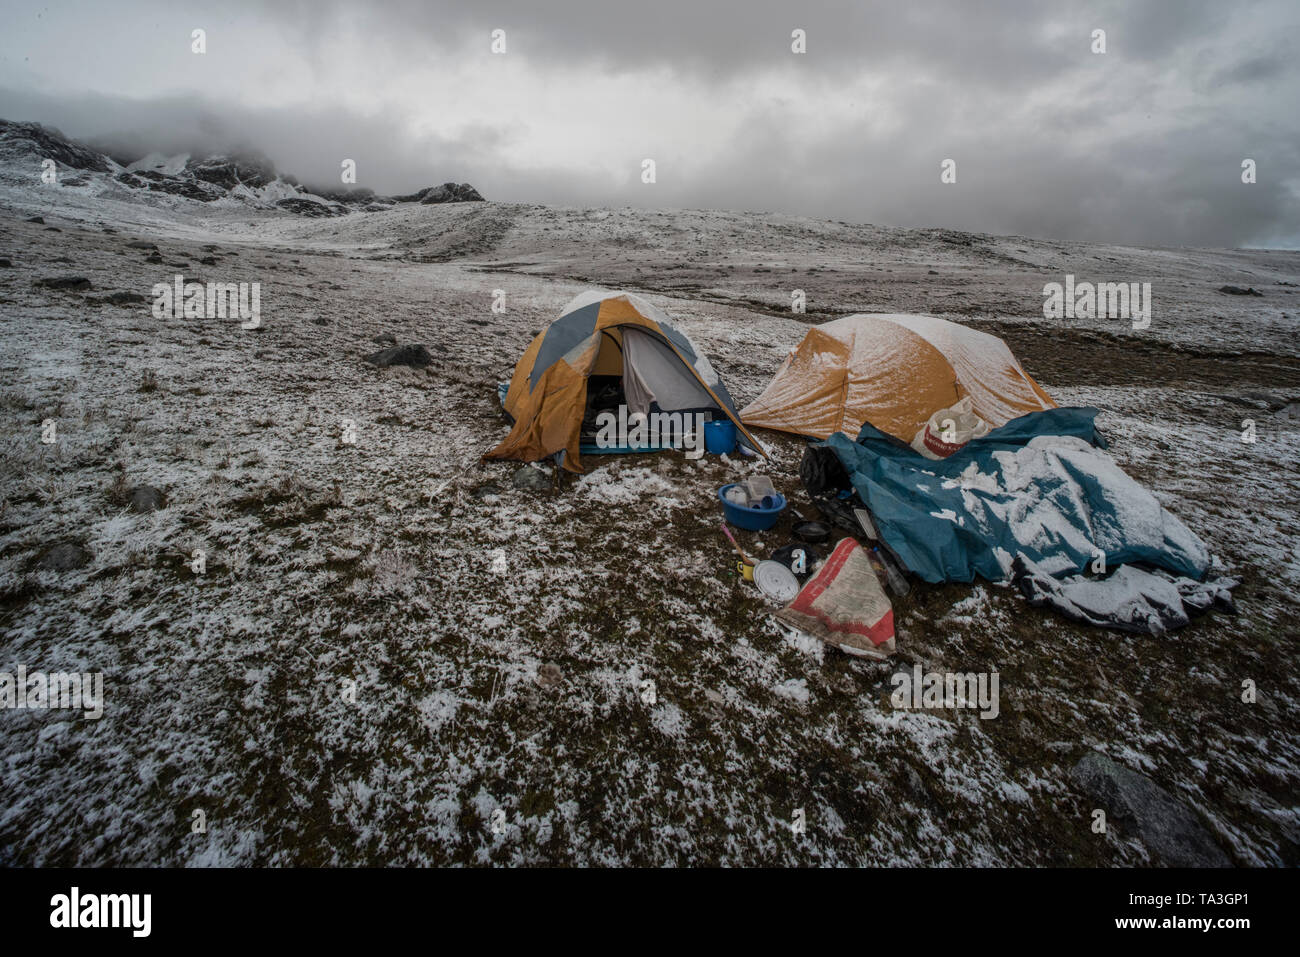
(1038,487)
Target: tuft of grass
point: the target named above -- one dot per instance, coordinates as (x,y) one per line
(118,492)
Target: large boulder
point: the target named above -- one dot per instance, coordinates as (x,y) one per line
(1169,829)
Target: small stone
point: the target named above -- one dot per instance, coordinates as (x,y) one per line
(415,356)
(534,480)
(36,219)
(486,490)
(913,784)
(146,498)
(64,282)
(122,298)
(549,675)
(64,557)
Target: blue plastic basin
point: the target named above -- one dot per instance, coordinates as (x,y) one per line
(750,519)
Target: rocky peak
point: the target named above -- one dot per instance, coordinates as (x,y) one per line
(48,143)
(231,171)
(446,193)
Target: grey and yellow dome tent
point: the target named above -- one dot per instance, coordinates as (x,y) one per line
(624,341)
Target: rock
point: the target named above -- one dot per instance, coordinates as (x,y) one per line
(228,172)
(36,219)
(118,299)
(146,498)
(153,258)
(141,244)
(64,282)
(6,264)
(452,193)
(1239,291)
(534,480)
(63,558)
(486,490)
(386,339)
(913,784)
(356,195)
(446,193)
(207,260)
(48,143)
(549,675)
(415,356)
(1168,828)
(310,207)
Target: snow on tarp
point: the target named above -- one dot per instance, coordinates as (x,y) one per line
(1039,488)
(1131,599)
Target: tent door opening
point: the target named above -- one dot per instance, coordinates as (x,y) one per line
(638,370)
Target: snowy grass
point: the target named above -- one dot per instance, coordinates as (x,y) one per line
(351,682)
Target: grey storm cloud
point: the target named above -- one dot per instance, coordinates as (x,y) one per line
(1142,144)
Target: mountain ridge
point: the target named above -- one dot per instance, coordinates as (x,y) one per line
(247,178)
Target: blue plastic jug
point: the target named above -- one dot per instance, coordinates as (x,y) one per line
(719,437)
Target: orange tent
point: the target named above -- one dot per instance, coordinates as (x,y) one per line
(893,371)
(597,335)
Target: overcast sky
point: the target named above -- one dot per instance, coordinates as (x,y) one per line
(1141,144)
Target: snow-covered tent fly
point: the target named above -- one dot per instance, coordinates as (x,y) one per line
(892,371)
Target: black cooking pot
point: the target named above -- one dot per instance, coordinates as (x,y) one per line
(786,556)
